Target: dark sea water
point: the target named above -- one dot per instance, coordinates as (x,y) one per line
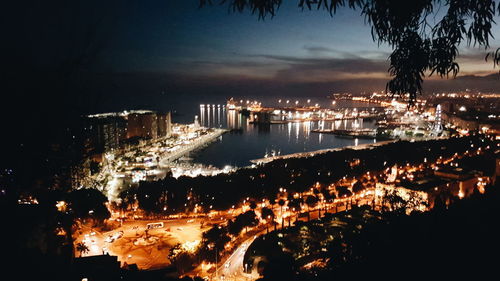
(255,141)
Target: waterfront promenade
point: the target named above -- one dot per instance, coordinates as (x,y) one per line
(194,145)
(316,152)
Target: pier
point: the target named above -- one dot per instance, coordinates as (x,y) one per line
(196,144)
(357,133)
(316,152)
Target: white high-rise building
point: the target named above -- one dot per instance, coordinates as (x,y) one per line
(438,121)
(196,122)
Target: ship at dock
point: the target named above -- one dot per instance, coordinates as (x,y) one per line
(293,112)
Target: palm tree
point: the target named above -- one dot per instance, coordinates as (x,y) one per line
(253,205)
(281,202)
(311,202)
(358,187)
(82,248)
(68,221)
(295,204)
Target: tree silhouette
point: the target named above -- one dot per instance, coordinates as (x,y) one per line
(253,205)
(358,187)
(82,248)
(182,259)
(213,242)
(420,48)
(281,202)
(311,201)
(295,204)
(89,203)
(267,213)
(327,195)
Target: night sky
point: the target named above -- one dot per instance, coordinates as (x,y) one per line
(310,46)
(144,53)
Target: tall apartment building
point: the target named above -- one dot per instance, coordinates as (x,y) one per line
(108,131)
(142,124)
(105,132)
(164,124)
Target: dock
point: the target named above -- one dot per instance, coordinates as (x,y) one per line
(317,152)
(196,144)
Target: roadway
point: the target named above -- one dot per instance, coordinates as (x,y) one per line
(131,248)
(232,268)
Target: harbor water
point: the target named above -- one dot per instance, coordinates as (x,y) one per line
(246,142)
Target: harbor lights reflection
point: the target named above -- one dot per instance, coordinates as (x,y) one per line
(213,116)
(219,120)
(289,127)
(297,130)
(208,115)
(202,114)
(306,128)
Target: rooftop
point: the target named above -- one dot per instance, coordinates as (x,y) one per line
(423,184)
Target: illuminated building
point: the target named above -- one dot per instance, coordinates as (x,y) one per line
(465,180)
(105,132)
(196,122)
(438,123)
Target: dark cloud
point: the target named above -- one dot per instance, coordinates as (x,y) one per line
(328,69)
(475,54)
(322,51)
(208,63)
(318,49)
(287,68)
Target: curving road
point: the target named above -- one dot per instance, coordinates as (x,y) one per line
(232,269)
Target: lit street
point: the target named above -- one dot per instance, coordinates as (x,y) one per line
(232,268)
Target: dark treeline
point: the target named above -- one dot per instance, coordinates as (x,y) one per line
(444,243)
(39,237)
(296,175)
